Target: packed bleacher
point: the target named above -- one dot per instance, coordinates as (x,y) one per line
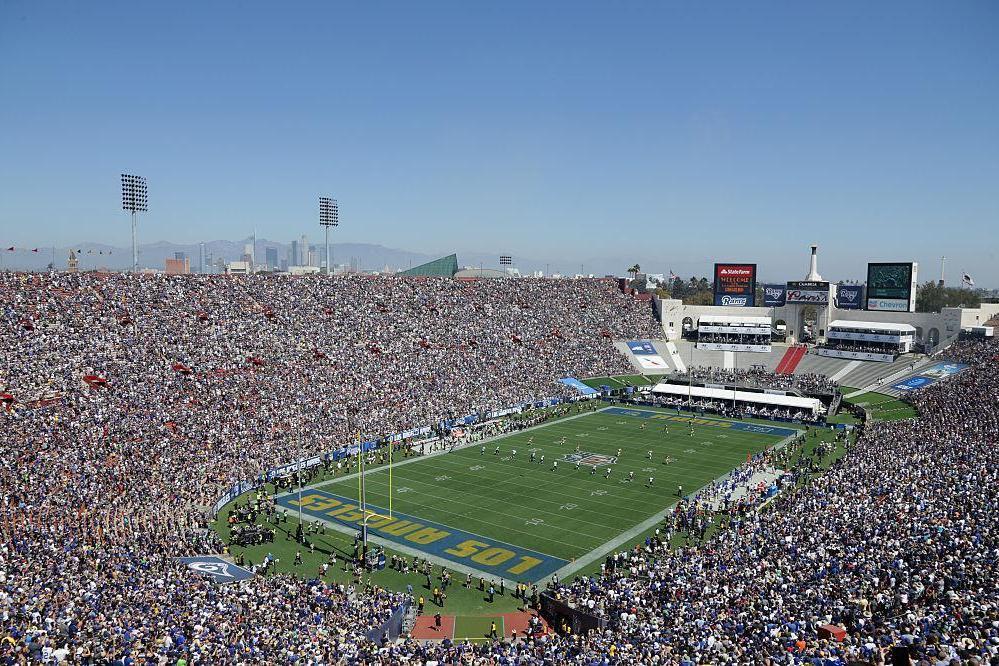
(135,402)
(727,409)
(890,349)
(758,377)
(204,381)
(897,544)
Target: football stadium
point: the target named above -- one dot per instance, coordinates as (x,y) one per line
(512,482)
(466,427)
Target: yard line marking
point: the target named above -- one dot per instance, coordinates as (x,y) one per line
(469,515)
(692,465)
(466,445)
(645,525)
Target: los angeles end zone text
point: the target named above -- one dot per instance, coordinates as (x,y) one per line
(484,554)
(516,514)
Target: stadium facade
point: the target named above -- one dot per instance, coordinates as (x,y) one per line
(885,304)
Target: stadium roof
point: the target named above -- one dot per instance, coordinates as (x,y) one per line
(443,267)
(873,326)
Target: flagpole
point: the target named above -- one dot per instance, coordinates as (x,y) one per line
(364,501)
(391,446)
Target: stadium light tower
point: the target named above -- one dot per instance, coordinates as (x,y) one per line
(329,216)
(135,199)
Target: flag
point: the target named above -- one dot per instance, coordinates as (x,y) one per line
(35,250)
(967,279)
(673,276)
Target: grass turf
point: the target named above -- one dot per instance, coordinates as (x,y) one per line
(567,512)
(499,500)
(881,407)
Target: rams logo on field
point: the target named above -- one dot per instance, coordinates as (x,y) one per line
(587,458)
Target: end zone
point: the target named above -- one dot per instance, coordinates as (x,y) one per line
(470,551)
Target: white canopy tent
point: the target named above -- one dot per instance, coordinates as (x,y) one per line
(740,320)
(876,326)
(812,405)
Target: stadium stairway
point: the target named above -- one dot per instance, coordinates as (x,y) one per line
(821,365)
(870,374)
(792,357)
(690,355)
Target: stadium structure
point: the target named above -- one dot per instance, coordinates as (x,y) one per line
(439,467)
(855,337)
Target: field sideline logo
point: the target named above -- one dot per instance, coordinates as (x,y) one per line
(590,459)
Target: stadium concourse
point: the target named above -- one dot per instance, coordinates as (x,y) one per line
(132,403)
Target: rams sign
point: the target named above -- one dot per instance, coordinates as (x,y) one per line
(735,285)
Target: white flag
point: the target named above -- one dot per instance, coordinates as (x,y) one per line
(968,281)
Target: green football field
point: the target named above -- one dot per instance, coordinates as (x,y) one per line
(500,515)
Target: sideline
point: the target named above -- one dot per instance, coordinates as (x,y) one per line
(434,454)
(648,523)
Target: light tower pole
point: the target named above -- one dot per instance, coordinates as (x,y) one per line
(135,199)
(329,216)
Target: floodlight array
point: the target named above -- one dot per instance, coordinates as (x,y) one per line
(329,212)
(134,193)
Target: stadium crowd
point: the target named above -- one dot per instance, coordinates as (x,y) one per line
(130,404)
(725,408)
(194,383)
(897,544)
(890,348)
(758,377)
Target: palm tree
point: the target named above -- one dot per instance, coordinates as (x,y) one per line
(635,270)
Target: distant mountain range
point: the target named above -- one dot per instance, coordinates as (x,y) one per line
(362,256)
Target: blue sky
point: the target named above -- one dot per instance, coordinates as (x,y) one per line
(599,133)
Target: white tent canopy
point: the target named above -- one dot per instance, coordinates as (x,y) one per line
(880,326)
(733,320)
(812,405)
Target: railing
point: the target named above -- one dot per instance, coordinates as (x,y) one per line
(391,626)
(579,621)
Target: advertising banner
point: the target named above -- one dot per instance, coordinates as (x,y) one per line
(944,370)
(855,355)
(646,355)
(214,567)
(582,388)
(735,285)
(641,347)
(740,330)
(891,286)
(850,296)
(868,337)
(732,347)
(652,362)
(913,383)
(807,291)
(774,295)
